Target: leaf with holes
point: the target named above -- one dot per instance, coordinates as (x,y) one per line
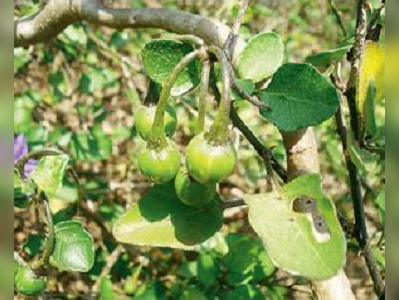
(262,57)
(300,97)
(50,172)
(74,248)
(160,219)
(309,244)
(160,57)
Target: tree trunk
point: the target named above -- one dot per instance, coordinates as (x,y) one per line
(302,158)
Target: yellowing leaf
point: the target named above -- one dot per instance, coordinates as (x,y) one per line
(371,83)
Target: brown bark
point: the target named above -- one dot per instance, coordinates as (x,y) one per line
(302,158)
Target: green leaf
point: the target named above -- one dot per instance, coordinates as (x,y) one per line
(107,291)
(21,58)
(193,292)
(23,109)
(262,57)
(49,174)
(300,97)
(96,80)
(92,145)
(246,260)
(381,205)
(369,112)
(208,269)
(74,248)
(151,291)
(379,256)
(23,189)
(360,157)
(160,57)
(34,244)
(277,292)
(36,135)
(245,292)
(242,256)
(309,244)
(75,35)
(247,85)
(188,270)
(160,219)
(326,58)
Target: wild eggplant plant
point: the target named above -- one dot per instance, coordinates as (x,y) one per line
(296,221)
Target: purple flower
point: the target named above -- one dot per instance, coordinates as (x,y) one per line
(20,150)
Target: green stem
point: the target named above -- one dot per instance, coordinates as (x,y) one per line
(158,133)
(192,39)
(338,17)
(219,129)
(49,245)
(206,70)
(153,94)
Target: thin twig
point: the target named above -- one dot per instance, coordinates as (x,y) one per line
(358,205)
(192,39)
(229,48)
(356,57)
(233,204)
(338,17)
(49,245)
(111,260)
(374,28)
(252,99)
(230,44)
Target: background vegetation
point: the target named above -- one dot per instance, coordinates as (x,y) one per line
(79,93)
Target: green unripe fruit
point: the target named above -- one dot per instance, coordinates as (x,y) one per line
(208,162)
(191,192)
(160,165)
(28,283)
(145,119)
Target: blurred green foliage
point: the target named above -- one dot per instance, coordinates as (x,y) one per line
(79,93)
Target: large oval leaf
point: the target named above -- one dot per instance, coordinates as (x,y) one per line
(160,219)
(262,57)
(309,244)
(300,97)
(74,248)
(160,57)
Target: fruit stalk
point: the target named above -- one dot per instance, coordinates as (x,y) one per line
(219,130)
(49,245)
(206,70)
(158,133)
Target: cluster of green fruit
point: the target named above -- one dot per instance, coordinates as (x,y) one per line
(208,160)
(27,282)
